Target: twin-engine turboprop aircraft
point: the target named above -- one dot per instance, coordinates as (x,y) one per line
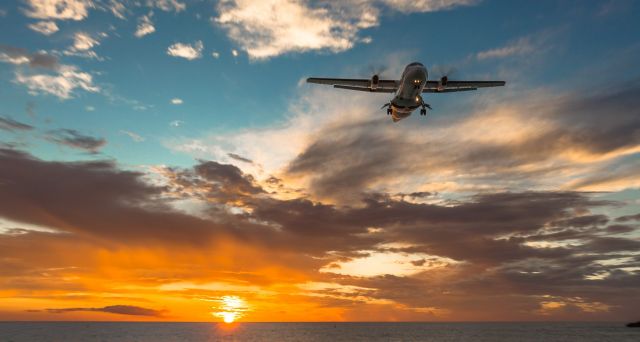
(408,89)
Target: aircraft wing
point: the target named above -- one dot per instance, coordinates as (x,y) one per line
(361,84)
(452,86)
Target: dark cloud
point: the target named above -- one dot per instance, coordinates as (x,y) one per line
(11,125)
(493,236)
(601,122)
(418,262)
(94,198)
(628,218)
(115,309)
(583,221)
(77,140)
(16,55)
(619,229)
(230,177)
(240,158)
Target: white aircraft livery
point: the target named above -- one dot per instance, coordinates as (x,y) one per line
(407,90)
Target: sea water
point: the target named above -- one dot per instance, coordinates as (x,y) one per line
(333,332)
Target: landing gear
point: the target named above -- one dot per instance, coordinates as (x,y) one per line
(389,111)
(423,111)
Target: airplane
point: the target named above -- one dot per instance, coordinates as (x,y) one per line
(408,89)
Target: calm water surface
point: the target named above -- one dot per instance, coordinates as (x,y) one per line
(334,332)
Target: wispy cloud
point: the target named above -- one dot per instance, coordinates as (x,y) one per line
(74,139)
(11,125)
(520,47)
(186,51)
(167,5)
(62,83)
(19,56)
(45,27)
(145,26)
(114,309)
(176,101)
(134,136)
(411,6)
(176,123)
(83,44)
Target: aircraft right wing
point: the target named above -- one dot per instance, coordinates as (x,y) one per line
(453,86)
(360,84)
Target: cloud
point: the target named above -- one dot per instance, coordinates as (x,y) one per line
(135,137)
(117,8)
(176,123)
(499,142)
(45,27)
(270,28)
(215,55)
(628,218)
(62,83)
(261,29)
(58,9)
(520,47)
(167,5)
(75,139)
(19,56)
(186,51)
(145,26)
(115,309)
(412,6)
(176,101)
(83,44)
(239,158)
(497,238)
(11,125)
(120,205)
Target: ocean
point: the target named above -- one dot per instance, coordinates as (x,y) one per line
(333,332)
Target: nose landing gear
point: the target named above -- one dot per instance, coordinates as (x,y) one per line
(389,110)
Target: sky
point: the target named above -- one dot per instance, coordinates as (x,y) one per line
(164,160)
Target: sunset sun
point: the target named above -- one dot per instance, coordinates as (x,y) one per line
(230,308)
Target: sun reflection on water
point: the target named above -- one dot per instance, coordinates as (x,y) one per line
(230,308)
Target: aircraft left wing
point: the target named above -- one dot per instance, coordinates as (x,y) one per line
(360,84)
(452,86)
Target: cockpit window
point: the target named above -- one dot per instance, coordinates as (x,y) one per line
(415,63)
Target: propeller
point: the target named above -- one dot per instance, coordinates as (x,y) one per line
(377,70)
(443,72)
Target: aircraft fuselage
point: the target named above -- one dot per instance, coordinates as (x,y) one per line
(408,97)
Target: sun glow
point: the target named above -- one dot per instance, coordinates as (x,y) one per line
(231,308)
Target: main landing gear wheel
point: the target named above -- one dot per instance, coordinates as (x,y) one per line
(389,111)
(423,112)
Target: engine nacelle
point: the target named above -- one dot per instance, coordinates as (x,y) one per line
(442,83)
(374,82)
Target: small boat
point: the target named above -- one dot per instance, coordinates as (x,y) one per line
(634,324)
